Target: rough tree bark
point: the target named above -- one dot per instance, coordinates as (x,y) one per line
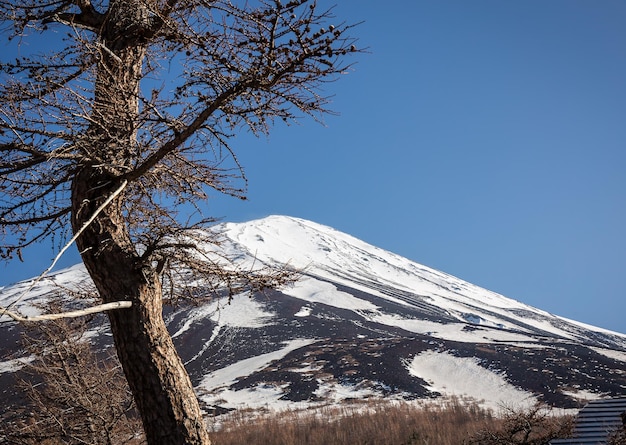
(157,378)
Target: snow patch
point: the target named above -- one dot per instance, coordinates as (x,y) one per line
(241,311)
(582,395)
(464,377)
(337,392)
(26,297)
(14,365)
(611,353)
(316,291)
(449,331)
(304,311)
(215,385)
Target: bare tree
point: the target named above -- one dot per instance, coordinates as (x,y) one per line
(537,425)
(618,437)
(73,395)
(135,102)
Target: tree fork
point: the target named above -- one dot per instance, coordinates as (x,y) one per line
(160,384)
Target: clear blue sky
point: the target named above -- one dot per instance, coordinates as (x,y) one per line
(485,138)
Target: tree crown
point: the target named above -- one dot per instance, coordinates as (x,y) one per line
(149,92)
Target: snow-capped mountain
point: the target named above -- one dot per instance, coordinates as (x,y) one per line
(365,323)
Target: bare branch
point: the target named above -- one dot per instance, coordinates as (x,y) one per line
(89,221)
(88,17)
(70,314)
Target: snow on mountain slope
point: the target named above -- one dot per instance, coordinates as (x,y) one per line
(347,281)
(327,254)
(361,323)
(26,297)
(464,377)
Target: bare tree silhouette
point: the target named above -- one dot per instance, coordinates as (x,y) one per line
(135,102)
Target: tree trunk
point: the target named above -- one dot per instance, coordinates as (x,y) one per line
(157,378)
(159,382)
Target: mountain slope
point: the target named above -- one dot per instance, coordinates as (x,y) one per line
(324,253)
(365,323)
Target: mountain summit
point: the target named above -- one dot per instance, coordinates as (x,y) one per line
(364,323)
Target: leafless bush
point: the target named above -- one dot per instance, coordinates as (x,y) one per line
(72,394)
(619,436)
(534,426)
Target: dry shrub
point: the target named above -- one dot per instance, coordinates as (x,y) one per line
(618,437)
(385,423)
(533,426)
(72,394)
